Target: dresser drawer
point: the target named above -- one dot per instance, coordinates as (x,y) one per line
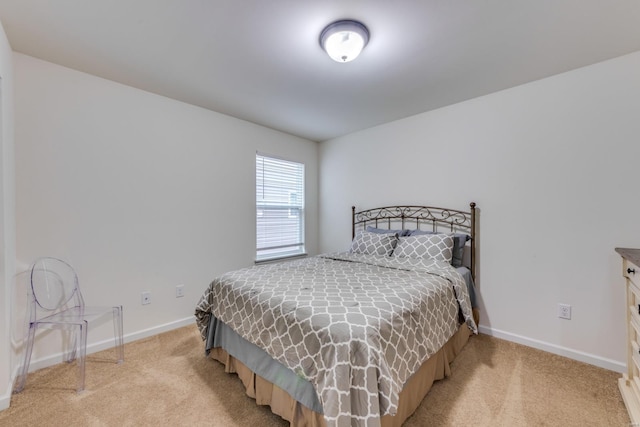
(634,298)
(632,272)
(635,320)
(635,355)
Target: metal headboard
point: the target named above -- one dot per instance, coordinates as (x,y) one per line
(420,217)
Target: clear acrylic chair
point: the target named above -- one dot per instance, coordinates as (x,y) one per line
(55,302)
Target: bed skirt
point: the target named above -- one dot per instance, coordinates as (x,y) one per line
(282,404)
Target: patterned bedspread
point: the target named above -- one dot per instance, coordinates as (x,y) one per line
(355,326)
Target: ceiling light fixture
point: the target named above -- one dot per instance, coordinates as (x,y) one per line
(344,40)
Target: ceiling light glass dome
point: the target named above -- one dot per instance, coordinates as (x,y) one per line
(344,40)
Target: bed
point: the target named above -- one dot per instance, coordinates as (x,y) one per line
(351,338)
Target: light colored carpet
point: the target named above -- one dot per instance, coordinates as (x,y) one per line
(167,381)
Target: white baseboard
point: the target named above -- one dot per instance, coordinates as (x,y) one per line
(612,365)
(57,358)
(158,329)
(5,399)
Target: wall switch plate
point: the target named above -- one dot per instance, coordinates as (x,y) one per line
(179,291)
(564,311)
(146,298)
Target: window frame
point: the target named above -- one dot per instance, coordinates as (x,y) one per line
(280,199)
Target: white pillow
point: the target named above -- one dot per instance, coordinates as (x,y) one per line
(369,243)
(438,247)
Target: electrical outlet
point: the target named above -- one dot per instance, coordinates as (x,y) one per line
(179,291)
(146,297)
(564,311)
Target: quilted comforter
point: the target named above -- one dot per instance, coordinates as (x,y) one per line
(355,326)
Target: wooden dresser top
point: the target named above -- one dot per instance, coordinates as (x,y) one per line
(630,254)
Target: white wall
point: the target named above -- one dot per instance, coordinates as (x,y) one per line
(7,218)
(138,192)
(554,168)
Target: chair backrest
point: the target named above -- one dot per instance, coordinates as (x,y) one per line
(54,286)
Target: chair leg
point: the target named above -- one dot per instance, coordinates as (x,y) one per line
(22,378)
(117,332)
(71,353)
(82,332)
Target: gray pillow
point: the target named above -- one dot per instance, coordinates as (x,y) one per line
(386,231)
(459,241)
(369,243)
(429,246)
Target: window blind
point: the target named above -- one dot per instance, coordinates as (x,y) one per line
(279,208)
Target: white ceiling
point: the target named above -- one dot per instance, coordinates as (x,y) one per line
(260,60)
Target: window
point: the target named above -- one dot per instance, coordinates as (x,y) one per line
(279,208)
